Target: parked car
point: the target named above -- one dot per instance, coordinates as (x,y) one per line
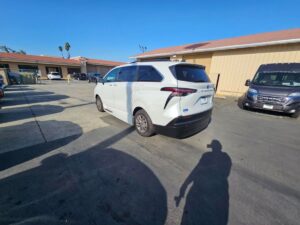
(14,78)
(275,87)
(1,90)
(94,77)
(79,76)
(1,80)
(54,76)
(171,98)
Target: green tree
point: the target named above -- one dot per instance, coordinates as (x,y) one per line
(60,48)
(67,48)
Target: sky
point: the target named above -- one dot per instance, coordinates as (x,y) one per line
(113,30)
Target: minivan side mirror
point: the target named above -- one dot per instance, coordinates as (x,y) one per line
(101,80)
(248,82)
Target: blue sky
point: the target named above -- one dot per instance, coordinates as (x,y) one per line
(113,30)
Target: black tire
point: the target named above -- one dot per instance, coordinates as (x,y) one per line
(99,104)
(245,107)
(143,124)
(296,114)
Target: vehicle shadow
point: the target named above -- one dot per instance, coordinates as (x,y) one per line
(99,185)
(207,202)
(11,158)
(18,88)
(14,98)
(19,113)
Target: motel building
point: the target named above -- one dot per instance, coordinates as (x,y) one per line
(43,65)
(230,62)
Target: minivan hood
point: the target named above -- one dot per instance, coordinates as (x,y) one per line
(275,91)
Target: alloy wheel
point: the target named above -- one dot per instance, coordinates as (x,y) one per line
(141,123)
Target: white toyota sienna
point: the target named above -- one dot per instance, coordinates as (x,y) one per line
(171,98)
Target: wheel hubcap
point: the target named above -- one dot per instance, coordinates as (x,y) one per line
(98,103)
(141,123)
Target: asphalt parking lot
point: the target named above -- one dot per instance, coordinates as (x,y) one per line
(63,162)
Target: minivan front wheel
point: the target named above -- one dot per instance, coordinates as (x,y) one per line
(143,123)
(99,104)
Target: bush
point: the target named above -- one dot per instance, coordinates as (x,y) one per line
(27,78)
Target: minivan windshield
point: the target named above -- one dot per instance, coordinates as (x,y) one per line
(190,73)
(283,79)
(54,73)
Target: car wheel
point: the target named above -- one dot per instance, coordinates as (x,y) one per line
(245,107)
(296,114)
(143,123)
(99,104)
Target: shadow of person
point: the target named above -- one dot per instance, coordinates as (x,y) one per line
(208,199)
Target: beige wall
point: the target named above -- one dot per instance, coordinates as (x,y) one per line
(3,73)
(201,59)
(236,66)
(64,72)
(43,72)
(13,67)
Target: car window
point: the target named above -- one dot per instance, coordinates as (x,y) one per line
(127,74)
(291,79)
(148,74)
(112,75)
(190,73)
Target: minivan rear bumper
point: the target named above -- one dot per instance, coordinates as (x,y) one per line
(185,126)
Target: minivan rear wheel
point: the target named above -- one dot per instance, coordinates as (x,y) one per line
(143,123)
(99,104)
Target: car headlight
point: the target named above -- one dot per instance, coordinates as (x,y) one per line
(252,91)
(295,94)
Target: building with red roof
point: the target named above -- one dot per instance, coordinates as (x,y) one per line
(229,62)
(44,64)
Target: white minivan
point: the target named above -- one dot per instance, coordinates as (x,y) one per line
(171,98)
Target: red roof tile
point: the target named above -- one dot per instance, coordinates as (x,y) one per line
(104,62)
(37,59)
(243,41)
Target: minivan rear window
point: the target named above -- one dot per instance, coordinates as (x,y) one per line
(190,73)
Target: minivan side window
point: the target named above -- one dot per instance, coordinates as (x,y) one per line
(127,74)
(111,76)
(148,74)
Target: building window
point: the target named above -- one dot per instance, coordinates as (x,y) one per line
(4,66)
(28,68)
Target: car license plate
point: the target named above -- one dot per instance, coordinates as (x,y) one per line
(268,106)
(203,100)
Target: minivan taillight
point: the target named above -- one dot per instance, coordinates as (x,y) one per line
(179,91)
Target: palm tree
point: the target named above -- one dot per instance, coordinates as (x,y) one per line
(67,48)
(60,48)
(22,52)
(4,48)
